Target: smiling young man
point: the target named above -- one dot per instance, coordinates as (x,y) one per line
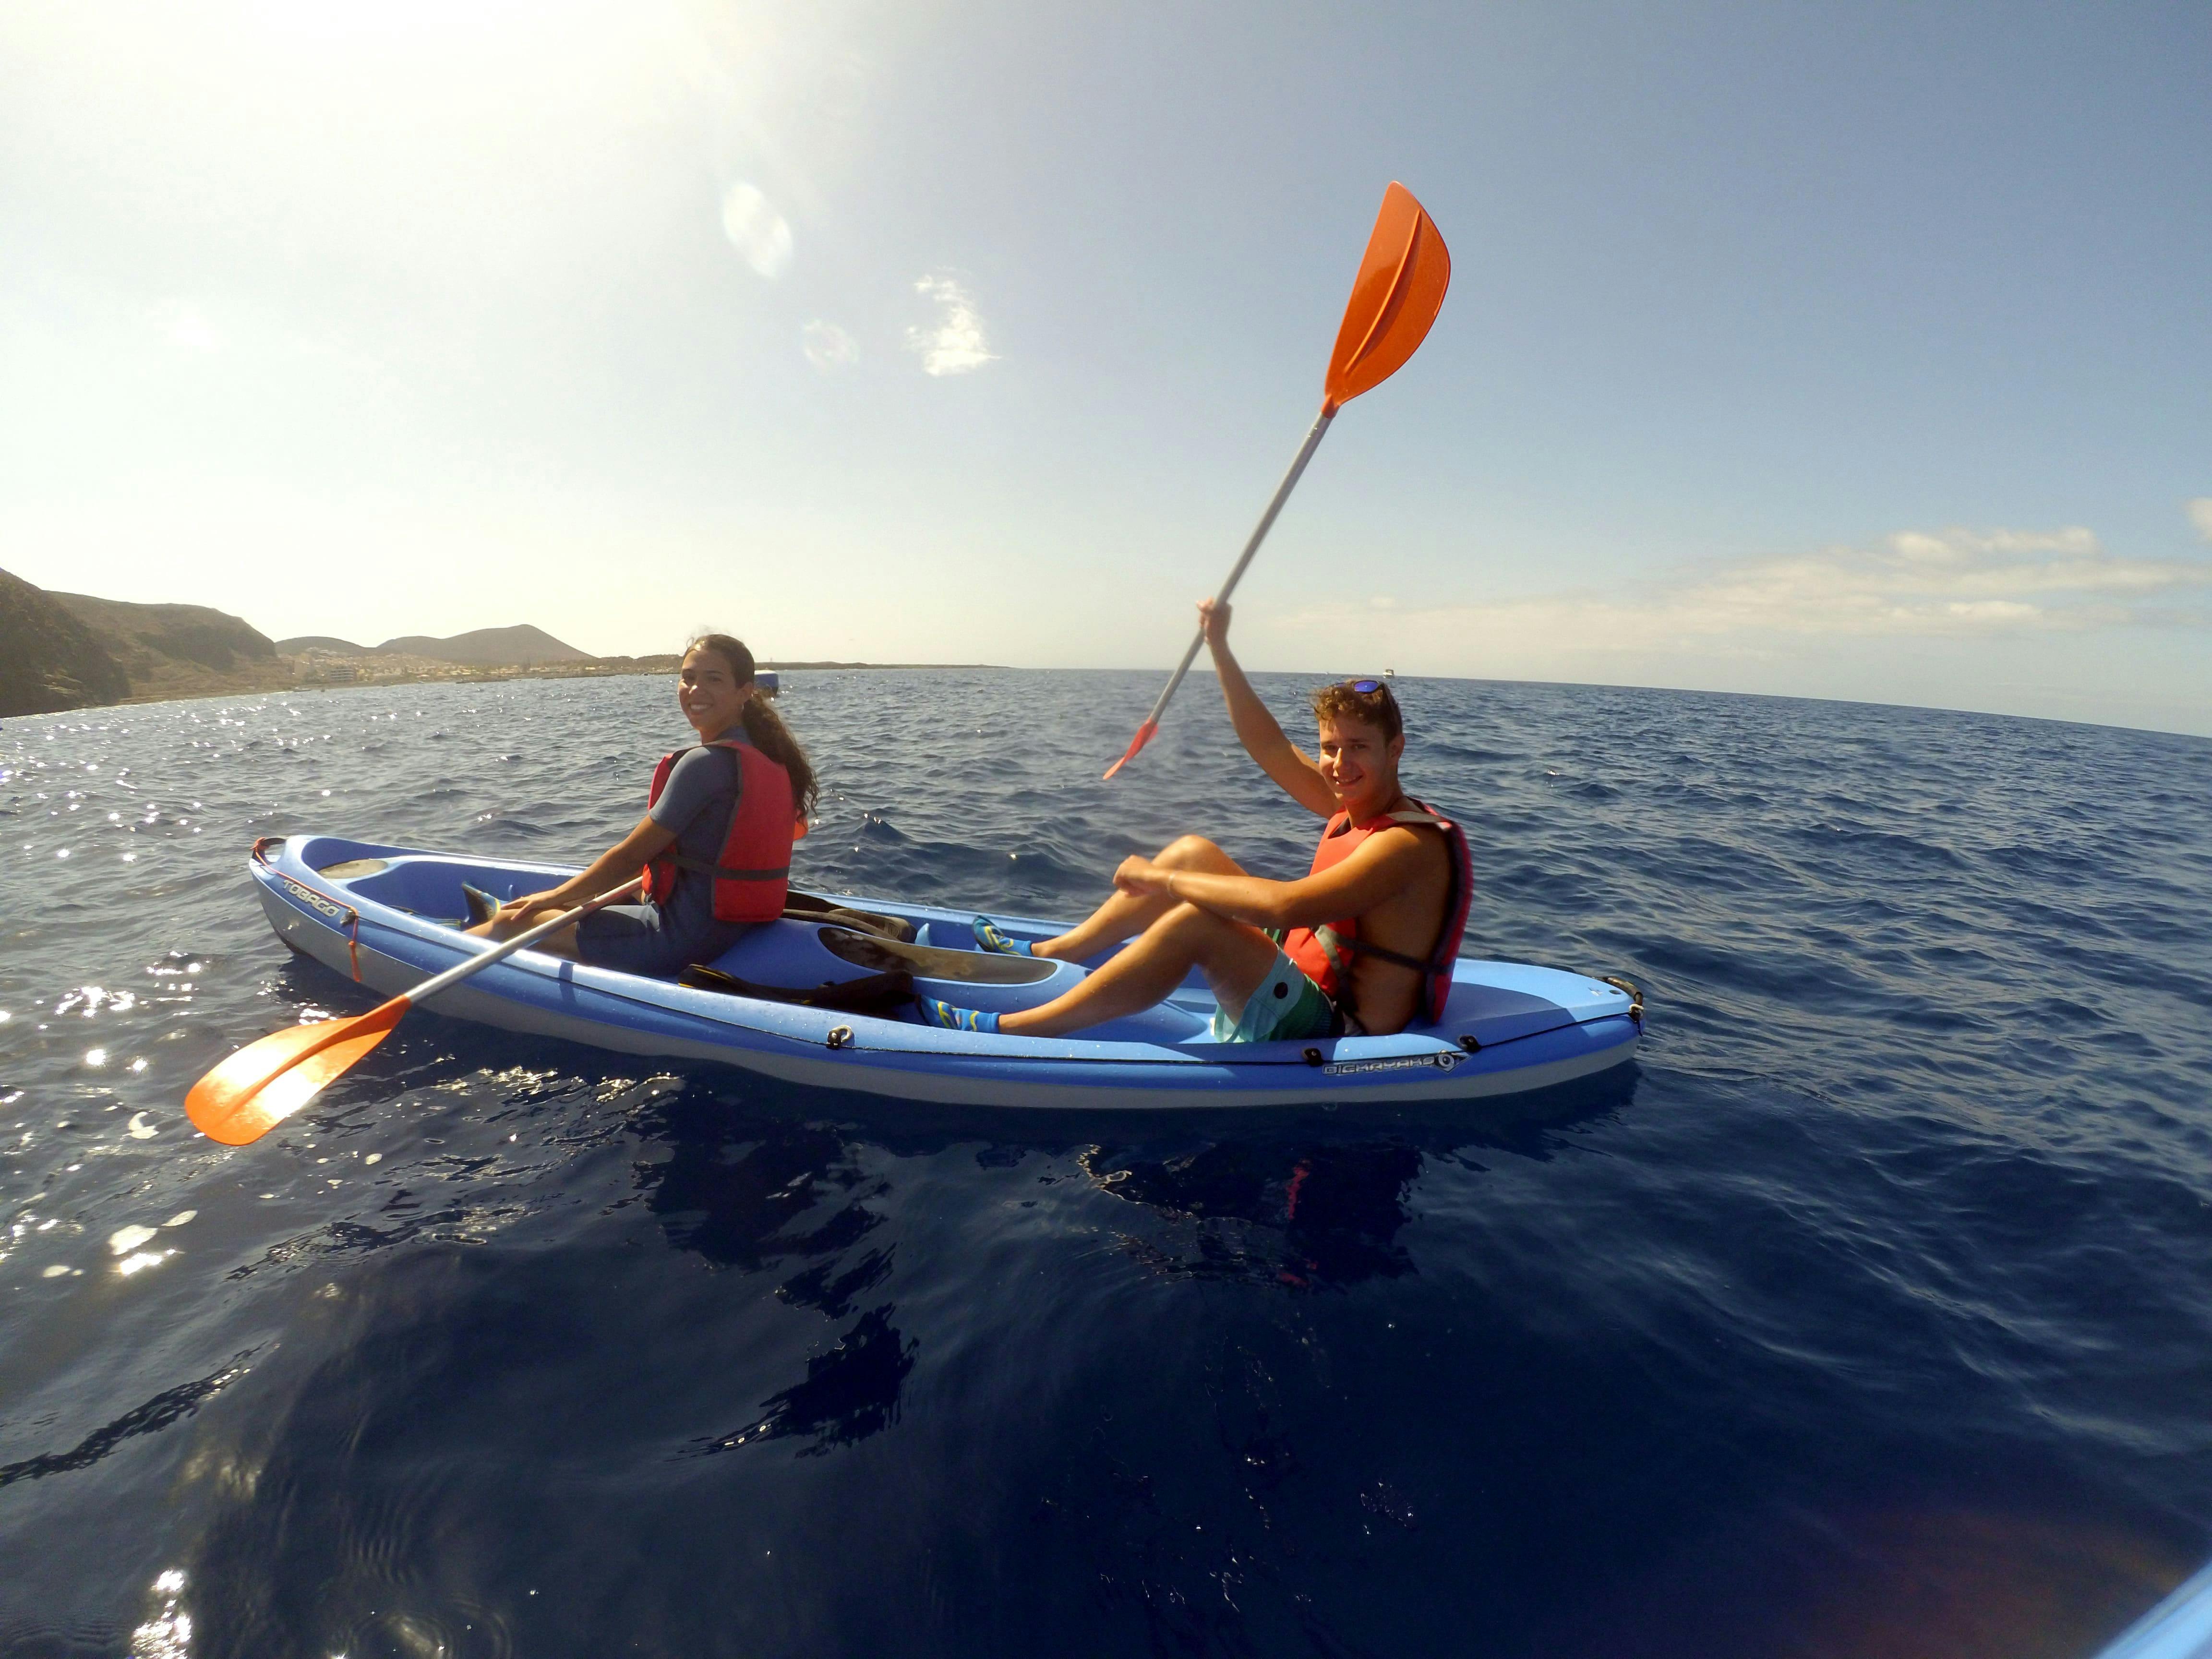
(1363,942)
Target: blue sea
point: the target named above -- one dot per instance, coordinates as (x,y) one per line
(1868,1315)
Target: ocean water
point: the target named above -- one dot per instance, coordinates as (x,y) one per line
(1870,1314)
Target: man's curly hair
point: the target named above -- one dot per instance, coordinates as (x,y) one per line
(1376,708)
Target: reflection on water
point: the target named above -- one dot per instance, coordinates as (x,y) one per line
(754,1196)
(1323,1216)
(731,1188)
(1868,1320)
(168,1633)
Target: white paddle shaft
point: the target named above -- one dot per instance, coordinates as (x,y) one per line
(1267,523)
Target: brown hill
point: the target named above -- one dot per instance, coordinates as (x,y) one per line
(489,647)
(49,659)
(181,650)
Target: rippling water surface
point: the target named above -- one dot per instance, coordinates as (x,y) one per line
(1868,1315)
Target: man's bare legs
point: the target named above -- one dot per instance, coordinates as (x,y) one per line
(1234,958)
(1125,915)
(1170,938)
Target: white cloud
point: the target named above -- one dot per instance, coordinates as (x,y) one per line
(828,347)
(1959,581)
(955,346)
(1957,584)
(185,326)
(2200,515)
(761,235)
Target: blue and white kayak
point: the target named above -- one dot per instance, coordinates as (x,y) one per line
(387,917)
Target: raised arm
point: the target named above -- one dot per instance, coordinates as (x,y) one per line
(1256,729)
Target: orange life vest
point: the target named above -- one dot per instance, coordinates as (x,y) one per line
(1324,954)
(753,873)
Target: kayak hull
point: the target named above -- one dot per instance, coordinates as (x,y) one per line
(372,912)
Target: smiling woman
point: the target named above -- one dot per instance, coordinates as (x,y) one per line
(713,848)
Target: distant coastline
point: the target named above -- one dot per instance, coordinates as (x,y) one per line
(378,669)
(63,651)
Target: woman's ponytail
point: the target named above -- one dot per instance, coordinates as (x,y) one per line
(762,723)
(773,738)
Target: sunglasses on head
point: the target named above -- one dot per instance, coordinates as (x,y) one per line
(1365,688)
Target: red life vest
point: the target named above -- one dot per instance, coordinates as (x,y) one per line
(752,874)
(1324,954)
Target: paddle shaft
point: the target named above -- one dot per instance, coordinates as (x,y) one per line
(1267,523)
(523,941)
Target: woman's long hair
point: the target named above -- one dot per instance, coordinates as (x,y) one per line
(762,723)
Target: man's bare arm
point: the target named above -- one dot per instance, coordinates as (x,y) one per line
(1377,869)
(1258,730)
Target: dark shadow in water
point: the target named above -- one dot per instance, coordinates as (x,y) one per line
(1304,1214)
(737,1190)
(751,1195)
(849,1393)
(170,1405)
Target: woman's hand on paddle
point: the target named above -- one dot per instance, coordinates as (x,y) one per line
(1213,623)
(530,906)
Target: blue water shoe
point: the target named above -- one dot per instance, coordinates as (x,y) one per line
(951,1018)
(989,938)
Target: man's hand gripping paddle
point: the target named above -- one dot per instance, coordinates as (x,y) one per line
(264,1083)
(1399,290)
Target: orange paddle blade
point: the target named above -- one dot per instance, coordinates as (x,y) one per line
(1145,734)
(264,1083)
(1399,290)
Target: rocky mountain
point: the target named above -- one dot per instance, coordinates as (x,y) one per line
(68,650)
(61,651)
(180,650)
(49,658)
(489,647)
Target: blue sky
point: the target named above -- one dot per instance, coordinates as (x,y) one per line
(1853,351)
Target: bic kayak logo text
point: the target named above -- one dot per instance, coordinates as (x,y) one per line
(1442,1060)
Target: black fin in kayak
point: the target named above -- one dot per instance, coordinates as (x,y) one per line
(809,907)
(928,962)
(877,994)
